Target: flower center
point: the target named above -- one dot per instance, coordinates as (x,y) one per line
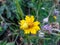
(30,25)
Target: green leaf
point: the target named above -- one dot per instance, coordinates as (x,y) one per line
(3,42)
(8,14)
(58,18)
(51,19)
(0,28)
(2,9)
(11,43)
(19,9)
(0,42)
(33,1)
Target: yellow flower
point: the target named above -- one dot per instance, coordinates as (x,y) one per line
(29,25)
(55,17)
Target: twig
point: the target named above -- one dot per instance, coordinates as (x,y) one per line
(2,18)
(16,37)
(52,8)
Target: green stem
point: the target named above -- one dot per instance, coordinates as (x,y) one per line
(37,15)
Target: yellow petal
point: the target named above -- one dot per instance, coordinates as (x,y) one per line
(25,25)
(36,28)
(22,22)
(36,23)
(27,18)
(33,31)
(32,18)
(26,31)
